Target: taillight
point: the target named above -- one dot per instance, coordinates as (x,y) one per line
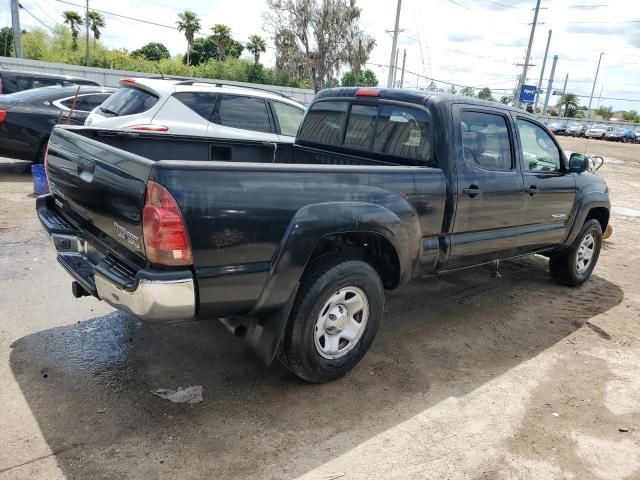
(149,128)
(166,241)
(3,114)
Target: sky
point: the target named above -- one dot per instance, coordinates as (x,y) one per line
(467,42)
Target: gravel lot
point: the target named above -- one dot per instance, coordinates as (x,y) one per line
(470,377)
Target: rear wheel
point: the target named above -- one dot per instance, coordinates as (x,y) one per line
(574,266)
(334,320)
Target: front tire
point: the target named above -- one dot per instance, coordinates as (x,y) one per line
(334,320)
(574,266)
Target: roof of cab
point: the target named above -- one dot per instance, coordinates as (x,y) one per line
(410,96)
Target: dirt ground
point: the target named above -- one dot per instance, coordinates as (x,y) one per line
(470,377)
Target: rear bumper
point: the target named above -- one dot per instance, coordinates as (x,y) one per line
(148,294)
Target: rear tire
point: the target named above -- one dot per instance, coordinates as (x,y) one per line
(334,320)
(574,266)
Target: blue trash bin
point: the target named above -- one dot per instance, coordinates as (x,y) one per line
(39,176)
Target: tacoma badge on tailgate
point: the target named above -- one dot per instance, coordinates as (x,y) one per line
(128,236)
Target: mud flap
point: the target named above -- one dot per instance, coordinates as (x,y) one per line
(265,334)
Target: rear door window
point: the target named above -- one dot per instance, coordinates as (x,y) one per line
(201,103)
(485,139)
(128,101)
(247,113)
(89,102)
(404,132)
(288,117)
(324,122)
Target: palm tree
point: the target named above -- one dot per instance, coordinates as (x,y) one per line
(568,101)
(96,23)
(74,20)
(605,112)
(256,46)
(189,23)
(222,36)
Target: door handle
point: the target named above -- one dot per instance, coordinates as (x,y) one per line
(472,191)
(532,190)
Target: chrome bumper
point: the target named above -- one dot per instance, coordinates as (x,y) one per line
(153,300)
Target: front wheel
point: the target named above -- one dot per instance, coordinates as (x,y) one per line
(334,319)
(574,266)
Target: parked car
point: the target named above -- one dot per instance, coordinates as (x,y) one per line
(12,81)
(597,131)
(295,246)
(27,117)
(558,128)
(637,132)
(615,135)
(576,130)
(190,107)
(629,136)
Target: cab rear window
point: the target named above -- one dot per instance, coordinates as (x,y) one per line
(128,101)
(386,130)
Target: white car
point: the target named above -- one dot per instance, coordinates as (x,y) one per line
(199,108)
(597,131)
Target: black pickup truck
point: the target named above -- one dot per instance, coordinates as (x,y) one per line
(294,245)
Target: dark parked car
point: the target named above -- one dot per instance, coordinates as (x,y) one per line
(615,135)
(576,130)
(558,128)
(27,117)
(294,245)
(12,81)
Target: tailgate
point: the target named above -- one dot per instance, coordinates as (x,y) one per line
(101,187)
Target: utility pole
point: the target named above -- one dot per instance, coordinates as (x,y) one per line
(564,91)
(550,86)
(394,45)
(544,63)
(86,26)
(404,62)
(395,68)
(594,82)
(15,22)
(523,78)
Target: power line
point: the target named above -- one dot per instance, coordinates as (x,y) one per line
(502,4)
(606,21)
(460,5)
(122,16)
(36,18)
(45,12)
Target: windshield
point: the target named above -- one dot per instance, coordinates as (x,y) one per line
(128,101)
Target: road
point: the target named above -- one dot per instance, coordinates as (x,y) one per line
(471,376)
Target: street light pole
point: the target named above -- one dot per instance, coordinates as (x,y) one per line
(86,25)
(523,78)
(394,46)
(544,63)
(594,82)
(15,23)
(404,62)
(550,86)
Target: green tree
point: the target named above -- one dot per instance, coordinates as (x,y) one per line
(569,102)
(629,116)
(189,23)
(366,78)
(468,92)
(6,41)
(96,22)
(153,51)
(605,112)
(506,99)
(452,90)
(222,36)
(485,94)
(256,46)
(74,20)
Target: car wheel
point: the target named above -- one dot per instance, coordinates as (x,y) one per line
(334,320)
(574,266)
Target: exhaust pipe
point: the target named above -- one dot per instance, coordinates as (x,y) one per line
(235,327)
(78,290)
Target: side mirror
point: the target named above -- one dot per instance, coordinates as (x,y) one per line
(578,163)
